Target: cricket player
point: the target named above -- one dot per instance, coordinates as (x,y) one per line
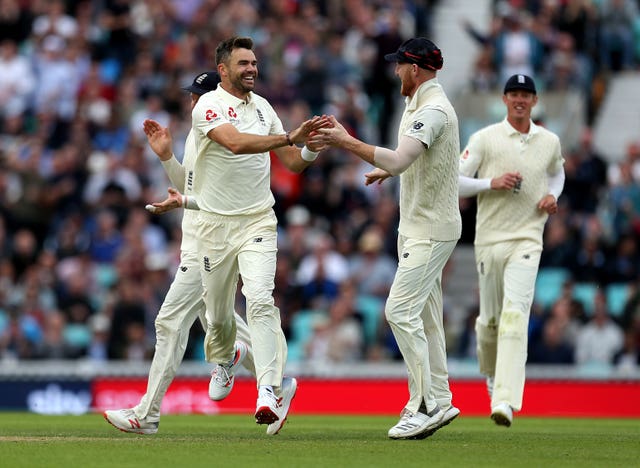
(426,160)
(183,302)
(234,131)
(520,175)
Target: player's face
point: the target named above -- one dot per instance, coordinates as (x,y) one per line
(519,104)
(407,75)
(242,70)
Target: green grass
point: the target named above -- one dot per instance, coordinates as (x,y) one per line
(234,441)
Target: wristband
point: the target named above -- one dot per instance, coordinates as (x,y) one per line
(308,155)
(289,142)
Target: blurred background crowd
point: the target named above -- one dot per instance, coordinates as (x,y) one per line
(84,268)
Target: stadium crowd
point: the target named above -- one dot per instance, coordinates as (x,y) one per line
(84,268)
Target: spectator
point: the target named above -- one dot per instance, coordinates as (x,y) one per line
(340,337)
(552,348)
(17,82)
(617,18)
(601,338)
(371,269)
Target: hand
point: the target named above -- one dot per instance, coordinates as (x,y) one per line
(377,175)
(548,204)
(173,201)
(159,139)
(506,181)
(333,135)
(314,145)
(301,134)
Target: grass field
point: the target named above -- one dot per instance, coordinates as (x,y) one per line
(29,440)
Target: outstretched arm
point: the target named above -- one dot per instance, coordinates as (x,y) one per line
(246,143)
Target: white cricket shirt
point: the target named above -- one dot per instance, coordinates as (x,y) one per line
(227,183)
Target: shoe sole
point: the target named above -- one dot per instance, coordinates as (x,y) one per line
(264,415)
(500,419)
(132,431)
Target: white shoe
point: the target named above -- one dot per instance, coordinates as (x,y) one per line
(268,408)
(127,421)
(502,414)
(450,414)
(222,377)
(289,387)
(416,425)
(490,386)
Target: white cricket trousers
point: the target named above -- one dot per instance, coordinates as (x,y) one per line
(182,305)
(506,277)
(245,245)
(414,312)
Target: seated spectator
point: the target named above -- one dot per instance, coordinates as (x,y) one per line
(321,271)
(601,338)
(339,338)
(371,269)
(552,348)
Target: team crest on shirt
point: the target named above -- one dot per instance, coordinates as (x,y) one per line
(210,115)
(232,113)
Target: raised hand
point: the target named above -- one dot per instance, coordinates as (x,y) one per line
(301,134)
(331,135)
(159,139)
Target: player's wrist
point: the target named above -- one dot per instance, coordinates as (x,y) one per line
(308,155)
(165,157)
(288,137)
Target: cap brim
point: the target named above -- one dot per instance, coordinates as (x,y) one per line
(520,88)
(395,57)
(195,90)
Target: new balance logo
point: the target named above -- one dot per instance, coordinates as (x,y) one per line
(260,116)
(207,264)
(135,424)
(257,239)
(183,269)
(405,255)
(190,179)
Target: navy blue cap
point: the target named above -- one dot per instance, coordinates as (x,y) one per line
(520,82)
(203,83)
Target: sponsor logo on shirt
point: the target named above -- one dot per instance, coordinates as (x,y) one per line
(210,115)
(232,113)
(260,117)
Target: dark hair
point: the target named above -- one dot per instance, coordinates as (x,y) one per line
(224,49)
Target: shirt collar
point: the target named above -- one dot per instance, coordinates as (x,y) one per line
(533,128)
(412,102)
(233,100)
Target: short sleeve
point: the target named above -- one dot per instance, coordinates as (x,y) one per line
(428,124)
(207,115)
